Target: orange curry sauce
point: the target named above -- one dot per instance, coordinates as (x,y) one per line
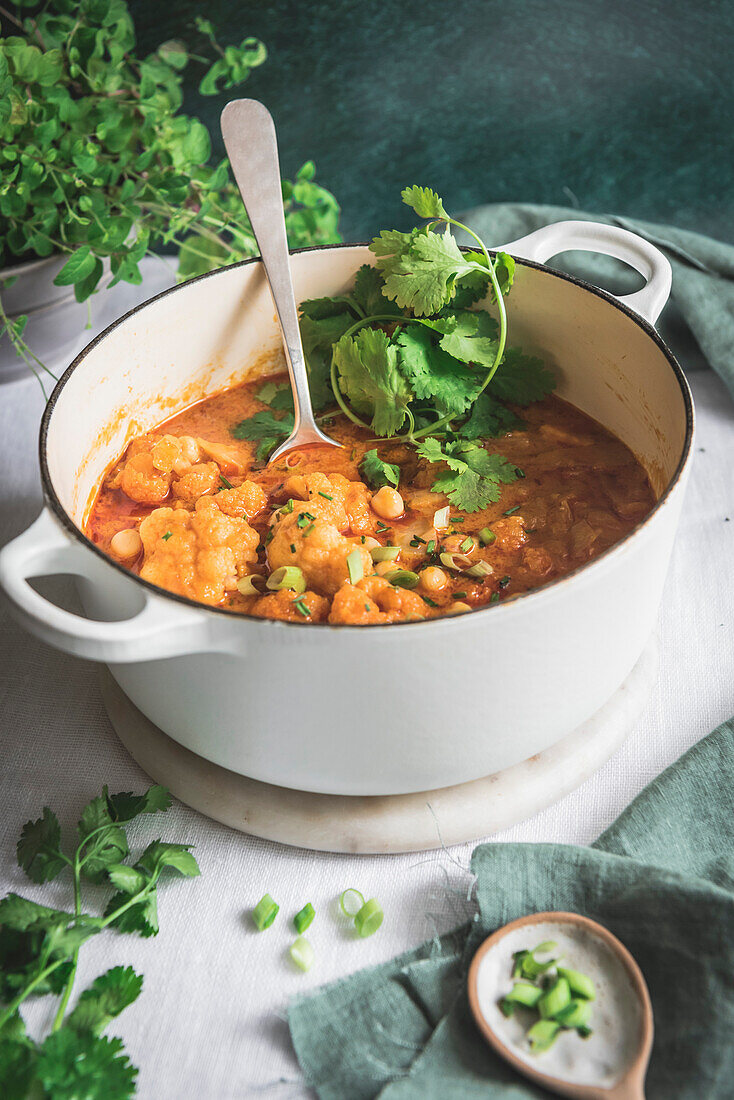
(582,491)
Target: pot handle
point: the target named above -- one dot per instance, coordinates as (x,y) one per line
(160,629)
(580,236)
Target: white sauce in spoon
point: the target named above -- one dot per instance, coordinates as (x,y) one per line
(616,1014)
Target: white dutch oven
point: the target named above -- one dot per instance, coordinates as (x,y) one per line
(361,710)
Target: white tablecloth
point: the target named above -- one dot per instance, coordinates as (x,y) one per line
(210,1024)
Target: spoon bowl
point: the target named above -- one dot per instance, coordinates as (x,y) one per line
(614,1067)
(249,137)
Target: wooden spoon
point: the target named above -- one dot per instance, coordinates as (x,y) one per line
(629,1084)
(252,147)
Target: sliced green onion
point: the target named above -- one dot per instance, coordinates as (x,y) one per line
(355,566)
(287,508)
(168,535)
(287,576)
(480,569)
(518,959)
(507,1007)
(486,536)
(511,510)
(543,1035)
(448,561)
(304,518)
(385,553)
(302,953)
(584,1032)
(251,585)
(350,902)
(369,918)
(555,999)
(304,917)
(459,595)
(505,581)
(325,495)
(441,517)
(403,578)
(544,947)
(429,601)
(525,993)
(575,1014)
(430,546)
(494,598)
(467,544)
(265,912)
(579,984)
(225,483)
(302,608)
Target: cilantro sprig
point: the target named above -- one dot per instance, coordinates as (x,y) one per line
(39,948)
(410,354)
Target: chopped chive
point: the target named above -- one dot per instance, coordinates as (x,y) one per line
(403,578)
(429,601)
(268,538)
(467,544)
(457,519)
(287,576)
(302,953)
(304,917)
(168,535)
(308,530)
(494,598)
(252,585)
(265,912)
(511,510)
(459,595)
(304,518)
(225,483)
(355,566)
(301,608)
(530,530)
(350,902)
(430,546)
(520,473)
(287,508)
(417,541)
(362,539)
(504,582)
(325,495)
(293,548)
(486,536)
(369,918)
(382,526)
(367,607)
(385,553)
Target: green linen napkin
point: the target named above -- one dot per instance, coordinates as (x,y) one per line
(697,323)
(661,878)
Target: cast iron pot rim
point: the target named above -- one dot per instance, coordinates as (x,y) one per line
(275,624)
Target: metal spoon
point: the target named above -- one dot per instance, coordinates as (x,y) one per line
(252,147)
(628,1079)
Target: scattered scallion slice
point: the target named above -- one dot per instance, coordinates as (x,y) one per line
(459,595)
(287,508)
(457,519)
(441,518)
(226,484)
(480,569)
(576,1014)
(505,581)
(509,511)
(429,601)
(168,535)
(350,902)
(265,912)
(287,576)
(579,984)
(302,608)
(403,578)
(325,495)
(542,1035)
(304,918)
(467,544)
(486,536)
(448,560)
(355,566)
(385,553)
(369,918)
(430,546)
(555,999)
(302,954)
(525,993)
(251,585)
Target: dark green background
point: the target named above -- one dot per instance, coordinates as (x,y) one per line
(616,106)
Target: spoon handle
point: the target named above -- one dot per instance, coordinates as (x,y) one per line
(252,147)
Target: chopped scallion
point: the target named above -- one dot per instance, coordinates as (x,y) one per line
(265,912)
(304,518)
(525,993)
(555,999)
(304,918)
(430,546)
(302,953)
(579,984)
(287,576)
(441,518)
(325,495)
(385,553)
(509,511)
(504,582)
(467,544)
(542,1035)
(457,519)
(486,536)
(252,585)
(480,569)
(369,918)
(403,578)
(355,566)
(429,601)
(576,1014)
(350,902)
(459,595)
(287,508)
(168,535)
(225,483)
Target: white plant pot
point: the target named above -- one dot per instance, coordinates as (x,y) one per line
(361,710)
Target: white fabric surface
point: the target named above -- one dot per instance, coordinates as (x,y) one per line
(210,1021)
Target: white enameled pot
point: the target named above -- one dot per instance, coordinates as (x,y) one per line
(361,710)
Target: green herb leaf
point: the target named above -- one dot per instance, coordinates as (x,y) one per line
(435,374)
(39,852)
(488,418)
(105,998)
(104,841)
(426,203)
(522,379)
(369,293)
(80,1066)
(423,275)
(378,473)
(369,375)
(141,917)
(130,880)
(266,429)
(176,856)
(469,337)
(79,265)
(474,477)
(125,806)
(318,337)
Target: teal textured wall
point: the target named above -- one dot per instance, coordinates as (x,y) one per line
(612,105)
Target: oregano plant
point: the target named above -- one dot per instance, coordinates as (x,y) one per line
(99,163)
(39,949)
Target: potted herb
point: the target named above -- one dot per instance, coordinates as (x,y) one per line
(98,166)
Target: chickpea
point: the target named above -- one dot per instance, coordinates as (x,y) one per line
(388,503)
(458,606)
(433,579)
(126,544)
(454,544)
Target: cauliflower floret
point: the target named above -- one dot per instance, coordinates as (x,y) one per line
(246,499)
(198,554)
(282,605)
(375,600)
(196,482)
(175,453)
(345,503)
(141,481)
(316,546)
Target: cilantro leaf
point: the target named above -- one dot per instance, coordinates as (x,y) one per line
(425,202)
(423,277)
(104,841)
(125,806)
(369,294)
(105,998)
(23,915)
(265,429)
(318,309)
(378,473)
(177,856)
(128,879)
(318,337)
(74,1065)
(522,379)
(141,917)
(39,852)
(17,1065)
(471,339)
(474,475)
(391,246)
(488,418)
(278,395)
(368,371)
(433,373)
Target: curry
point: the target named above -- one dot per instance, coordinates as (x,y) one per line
(198,512)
